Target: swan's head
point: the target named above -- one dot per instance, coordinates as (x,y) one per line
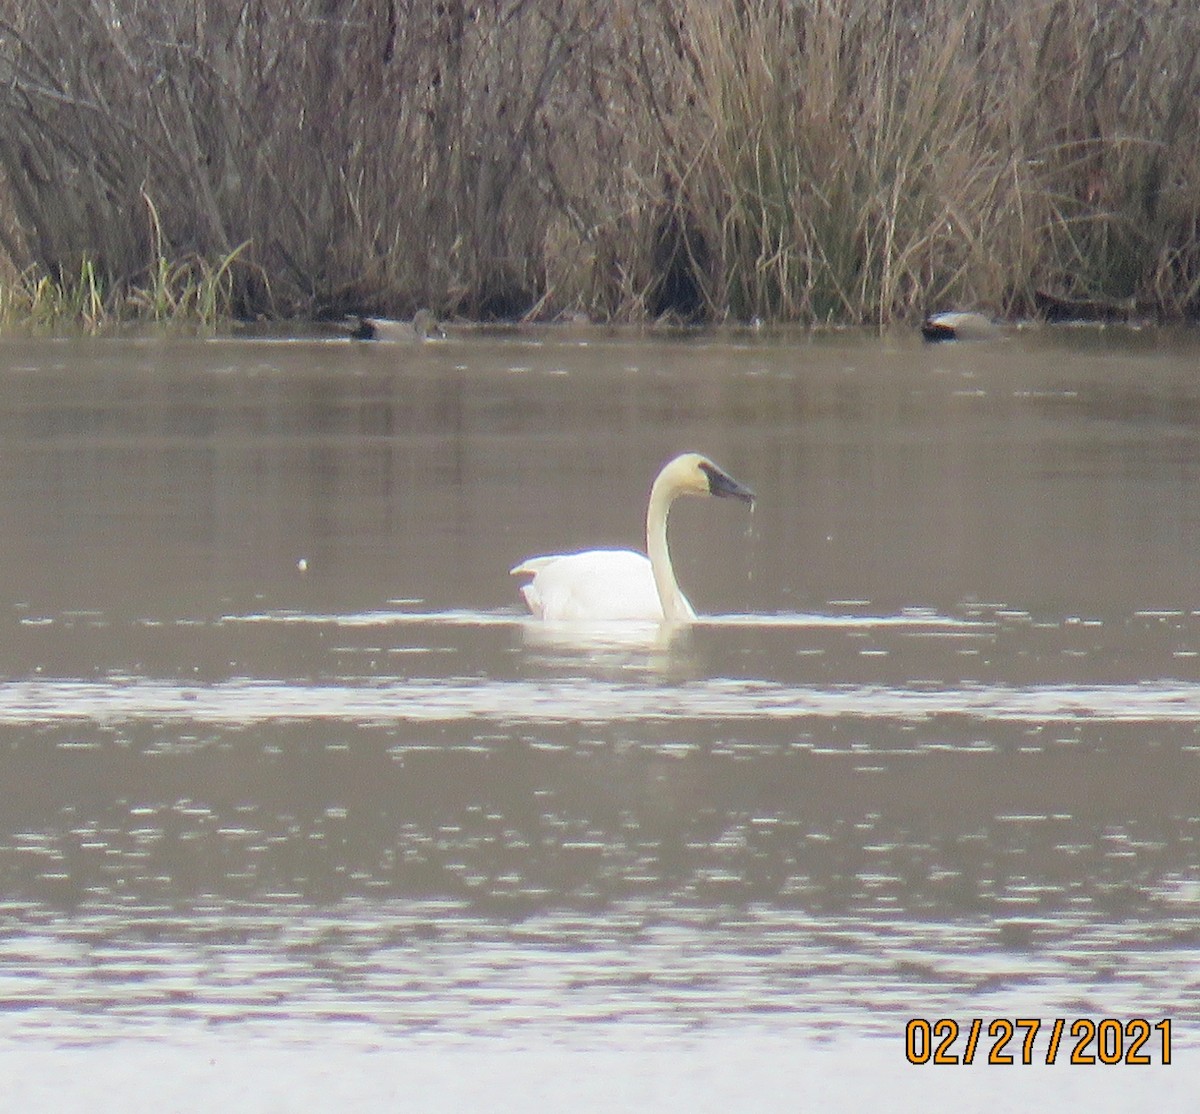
(693,474)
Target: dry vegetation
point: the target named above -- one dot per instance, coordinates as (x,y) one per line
(815,160)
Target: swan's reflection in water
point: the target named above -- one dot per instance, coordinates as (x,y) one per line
(662,648)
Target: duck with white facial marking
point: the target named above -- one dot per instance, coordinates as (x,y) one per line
(601,585)
(960,325)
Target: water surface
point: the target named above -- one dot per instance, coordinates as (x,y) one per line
(281,760)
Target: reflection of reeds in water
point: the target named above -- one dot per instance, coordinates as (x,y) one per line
(843,161)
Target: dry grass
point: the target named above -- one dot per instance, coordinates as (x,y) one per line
(817,160)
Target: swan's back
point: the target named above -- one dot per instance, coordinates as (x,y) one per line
(597,585)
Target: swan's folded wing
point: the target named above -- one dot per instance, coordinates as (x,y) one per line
(532,565)
(596,585)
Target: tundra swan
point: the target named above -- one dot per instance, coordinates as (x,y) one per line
(959,325)
(620,584)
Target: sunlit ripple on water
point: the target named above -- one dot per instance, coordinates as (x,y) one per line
(585,700)
(639,870)
(643,690)
(406,968)
(913,617)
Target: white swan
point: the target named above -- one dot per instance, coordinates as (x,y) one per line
(619,584)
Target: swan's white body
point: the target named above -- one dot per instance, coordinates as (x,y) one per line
(597,584)
(603,585)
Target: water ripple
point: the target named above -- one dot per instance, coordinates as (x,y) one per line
(916,617)
(241,701)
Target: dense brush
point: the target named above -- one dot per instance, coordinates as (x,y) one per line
(831,160)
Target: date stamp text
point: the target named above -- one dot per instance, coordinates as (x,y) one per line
(1015,1041)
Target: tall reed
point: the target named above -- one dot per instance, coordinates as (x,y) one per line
(817,160)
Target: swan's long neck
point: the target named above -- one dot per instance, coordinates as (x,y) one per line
(675,607)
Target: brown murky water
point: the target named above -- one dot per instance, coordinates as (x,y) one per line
(282,762)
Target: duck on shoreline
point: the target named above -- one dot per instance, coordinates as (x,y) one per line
(424,326)
(959,325)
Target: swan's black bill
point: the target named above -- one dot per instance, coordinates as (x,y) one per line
(724,485)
